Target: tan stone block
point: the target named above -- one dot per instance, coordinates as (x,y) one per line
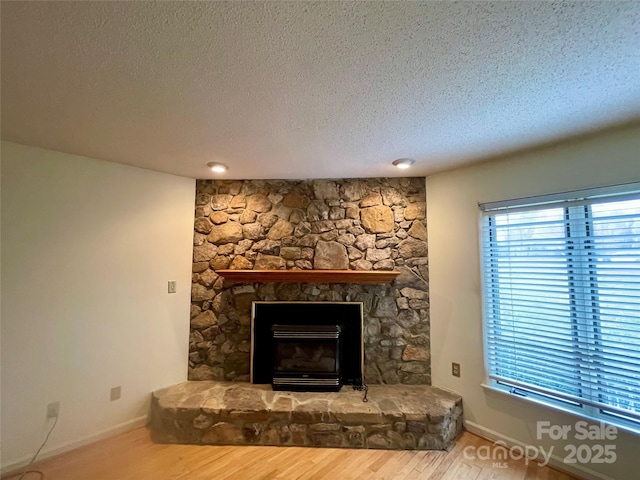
(326,439)
(371,200)
(248,216)
(330,256)
(414,293)
(352,212)
(226,249)
(204,253)
(201,293)
(291,253)
(396,440)
(280,229)
(414,353)
(220,262)
(239,201)
(244,301)
(329,236)
(325,189)
(296,217)
(220,202)
(431,442)
(223,433)
(252,231)
(203,199)
(240,263)
(351,409)
(199,267)
(325,427)
(204,320)
(269,262)
(207,278)
(317,210)
(354,253)
(362,265)
(415,211)
(391,196)
(336,213)
(353,191)
(219,218)
(230,232)
(411,248)
(375,254)
(258,203)
(199,239)
(202,422)
(418,304)
(312,411)
(296,200)
(378,219)
(377,440)
(418,230)
(202,225)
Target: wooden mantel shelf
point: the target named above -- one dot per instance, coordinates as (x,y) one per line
(309,276)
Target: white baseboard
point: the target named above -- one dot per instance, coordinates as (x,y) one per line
(556,462)
(66,447)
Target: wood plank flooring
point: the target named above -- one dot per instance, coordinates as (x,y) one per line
(132,456)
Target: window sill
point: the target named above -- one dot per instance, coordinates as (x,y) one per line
(613,421)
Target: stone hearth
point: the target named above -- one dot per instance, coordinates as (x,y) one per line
(235,413)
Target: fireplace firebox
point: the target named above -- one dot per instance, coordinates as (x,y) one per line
(306,357)
(307,346)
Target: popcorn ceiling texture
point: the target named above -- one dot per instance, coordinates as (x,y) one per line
(361,224)
(313,89)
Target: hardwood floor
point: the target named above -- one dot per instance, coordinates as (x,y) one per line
(132,456)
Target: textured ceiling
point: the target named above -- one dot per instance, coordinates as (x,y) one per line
(313,89)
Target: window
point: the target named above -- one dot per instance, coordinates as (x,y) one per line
(561,299)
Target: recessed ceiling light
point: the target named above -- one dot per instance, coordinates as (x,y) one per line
(217,167)
(403,162)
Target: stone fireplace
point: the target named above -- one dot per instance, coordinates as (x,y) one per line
(371,225)
(351,224)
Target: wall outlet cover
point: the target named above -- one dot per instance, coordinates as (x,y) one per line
(116,393)
(53,410)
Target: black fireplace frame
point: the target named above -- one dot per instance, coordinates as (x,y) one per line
(348,315)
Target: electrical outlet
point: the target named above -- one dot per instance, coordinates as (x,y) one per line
(115,393)
(455,369)
(171,287)
(53,409)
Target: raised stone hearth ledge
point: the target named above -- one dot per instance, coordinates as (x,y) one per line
(309,276)
(397,417)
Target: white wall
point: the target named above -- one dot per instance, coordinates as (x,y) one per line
(454,275)
(87,250)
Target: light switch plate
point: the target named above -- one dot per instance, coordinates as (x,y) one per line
(171,286)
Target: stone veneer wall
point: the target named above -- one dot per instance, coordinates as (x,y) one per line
(361,224)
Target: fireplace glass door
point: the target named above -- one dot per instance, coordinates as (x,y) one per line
(306,357)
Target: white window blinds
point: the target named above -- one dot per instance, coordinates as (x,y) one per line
(561,297)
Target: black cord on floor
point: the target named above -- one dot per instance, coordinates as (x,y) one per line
(38,472)
(360,387)
(26,470)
